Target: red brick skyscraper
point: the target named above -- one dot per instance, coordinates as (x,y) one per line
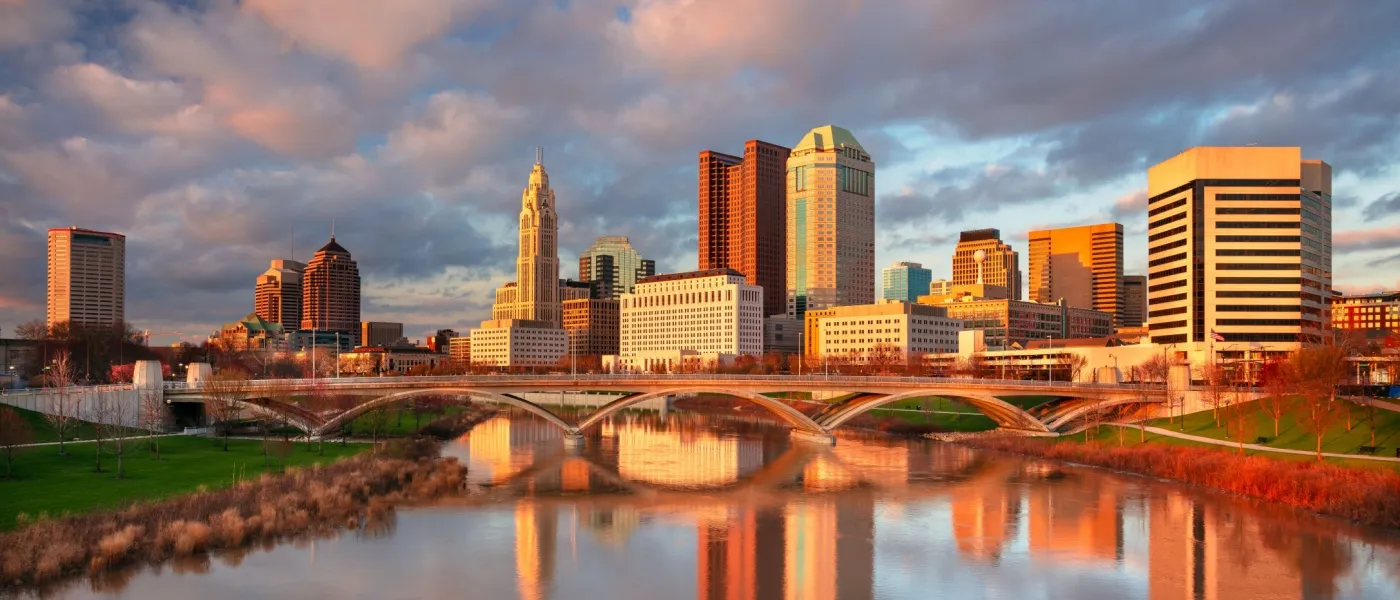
(330,291)
(743,217)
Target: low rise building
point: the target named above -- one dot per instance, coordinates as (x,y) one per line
(1375,314)
(886,329)
(1015,323)
(377,333)
(303,340)
(782,333)
(373,360)
(251,333)
(594,326)
(709,312)
(518,343)
(459,351)
(439,341)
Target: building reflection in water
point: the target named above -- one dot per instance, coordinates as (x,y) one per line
(822,545)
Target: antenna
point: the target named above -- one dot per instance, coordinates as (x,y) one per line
(293,255)
(332,227)
(539,156)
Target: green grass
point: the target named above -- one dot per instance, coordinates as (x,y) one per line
(44,432)
(44,482)
(967,421)
(1293,437)
(1109,435)
(400,422)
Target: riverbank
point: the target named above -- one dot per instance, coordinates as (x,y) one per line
(351,493)
(1366,496)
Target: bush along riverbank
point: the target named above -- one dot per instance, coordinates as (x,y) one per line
(455,426)
(352,493)
(1367,496)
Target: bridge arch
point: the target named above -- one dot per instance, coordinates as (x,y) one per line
(295,416)
(493,397)
(1001,411)
(1056,420)
(787,413)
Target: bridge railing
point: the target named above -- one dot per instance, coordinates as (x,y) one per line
(855,380)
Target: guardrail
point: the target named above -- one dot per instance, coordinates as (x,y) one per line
(677,377)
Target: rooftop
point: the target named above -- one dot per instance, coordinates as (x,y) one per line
(90,231)
(332,246)
(828,137)
(689,275)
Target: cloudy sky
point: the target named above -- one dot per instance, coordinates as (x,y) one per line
(208,131)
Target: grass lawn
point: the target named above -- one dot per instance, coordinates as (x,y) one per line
(1293,437)
(970,421)
(400,421)
(1109,435)
(44,432)
(45,482)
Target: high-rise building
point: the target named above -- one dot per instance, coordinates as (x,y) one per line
(905,281)
(593,326)
(981,258)
(1083,266)
(534,295)
(277,296)
(743,213)
(830,222)
(441,340)
(330,291)
(377,333)
(87,277)
(613,267)
(1239,246)
(1134,301)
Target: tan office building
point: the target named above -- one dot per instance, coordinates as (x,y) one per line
(87,277)
(518,343)
(830,222)
(981,258)
(712,313)
(856,331)
(743,217)
(330,291)
(1006,323)
(376,333)
(1134,301)
(1083,266)
(594,326)
(1239,245)
(277,295)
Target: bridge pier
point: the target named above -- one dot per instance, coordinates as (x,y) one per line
(825,439)
(573,441)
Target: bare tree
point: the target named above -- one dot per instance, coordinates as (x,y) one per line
(223,400)
(883,358)
(1278,387)
(1142,388)
(377,420)
(154,416)
(101,413)
(62,405)
(14,431)
(1216,386)
(1158,371)
(1073,363)
(114,416)
(1317,372)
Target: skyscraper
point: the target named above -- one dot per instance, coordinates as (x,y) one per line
(1239,246)
(905,281)
(1081,265)
(613,266)
(830,222)
(1001,265)
(1134,301)
(743,217)
(87,277)
(330,291)
(277,296)
(534,295)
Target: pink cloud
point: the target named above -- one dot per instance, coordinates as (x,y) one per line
(1375,238)
(373,35)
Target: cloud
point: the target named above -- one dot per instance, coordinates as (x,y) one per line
(374,35)
(33,22)
(1383,207)
(1376,238)
(1130,207)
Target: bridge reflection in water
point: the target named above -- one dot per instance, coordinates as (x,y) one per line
(727,507)
(999,513)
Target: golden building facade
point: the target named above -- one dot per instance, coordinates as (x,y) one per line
(981,258)
(830,222)
(87,277)
(1083,266)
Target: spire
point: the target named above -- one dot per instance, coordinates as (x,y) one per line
(332,229)
(539,156)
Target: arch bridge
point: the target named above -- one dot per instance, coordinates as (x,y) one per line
(864,394)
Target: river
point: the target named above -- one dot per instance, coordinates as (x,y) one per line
(696,506)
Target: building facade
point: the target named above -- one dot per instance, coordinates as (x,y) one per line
(1081,266)
(1239,246)
(534,295)
(518,343)
(782,334)
(87,277)
(1134,301)
(830,222)
(613,267)
(594,326)
(1370,314)
(459,351)
(999,265)
(372,360)
(888,329)
(439,341)
(379,334)
(1016,322)
(905,281)
(712,312)
(330,292)
(252,333)
(743,217)
(277,295)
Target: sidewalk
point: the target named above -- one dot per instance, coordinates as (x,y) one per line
(1256,447)
(90,440)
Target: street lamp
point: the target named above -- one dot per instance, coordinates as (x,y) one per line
(1049,370)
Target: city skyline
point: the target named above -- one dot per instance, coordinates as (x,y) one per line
(421,172)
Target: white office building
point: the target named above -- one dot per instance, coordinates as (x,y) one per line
(517,343)
(901,328)
(711,313)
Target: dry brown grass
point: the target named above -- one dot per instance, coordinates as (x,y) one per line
(348,493)
(1367,496)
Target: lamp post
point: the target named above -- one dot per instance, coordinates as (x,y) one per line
(801,349)
(1049,368)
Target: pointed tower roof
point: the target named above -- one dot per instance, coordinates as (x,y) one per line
(828,137)
(332,246)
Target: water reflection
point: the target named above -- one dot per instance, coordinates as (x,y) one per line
(708,507)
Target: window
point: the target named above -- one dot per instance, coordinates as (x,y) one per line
(1257,225)
(1258,280)
(1258,238)
(1257,266)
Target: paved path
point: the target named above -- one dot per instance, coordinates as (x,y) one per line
(90,440)
(1257,447)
